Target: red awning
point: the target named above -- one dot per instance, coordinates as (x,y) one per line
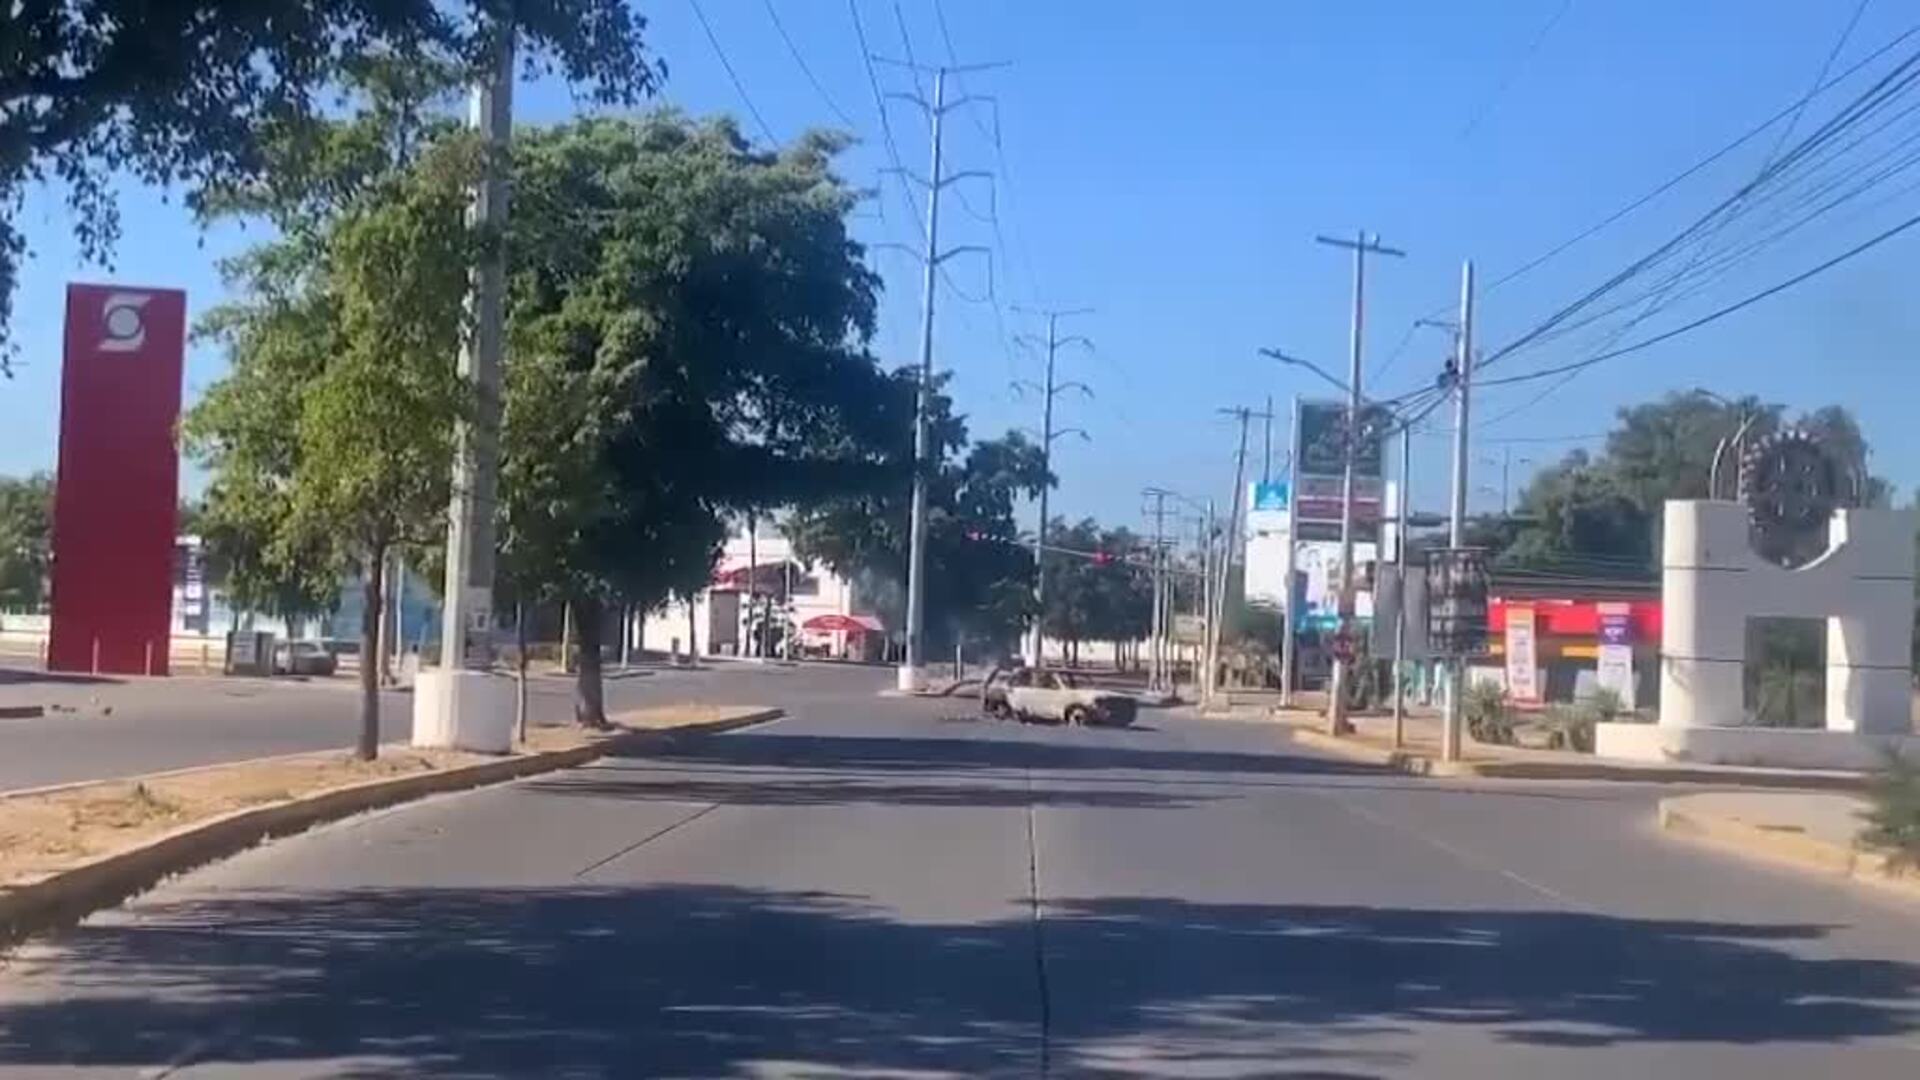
(852,624)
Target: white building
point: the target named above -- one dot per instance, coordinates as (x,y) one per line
(758,577)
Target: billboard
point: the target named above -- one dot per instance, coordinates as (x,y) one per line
(1320,431)
(115,496)
(1320,439)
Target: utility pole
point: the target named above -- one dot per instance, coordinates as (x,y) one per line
(1361,246)
(912,673)
(1266,428)
(1228,542)
(1400,607)
(1157,634)
(466,637)
(1457,526)
(1048,390)
(1289,618)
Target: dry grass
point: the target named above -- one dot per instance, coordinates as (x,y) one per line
(42,834)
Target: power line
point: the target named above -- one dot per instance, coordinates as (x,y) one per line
(1712,317)
(1892,84)
(732,75)
(806,69)
(1826,65)
(1526,57)
(1692,170)
(886,126)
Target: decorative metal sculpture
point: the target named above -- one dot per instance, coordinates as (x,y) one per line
(1792,485)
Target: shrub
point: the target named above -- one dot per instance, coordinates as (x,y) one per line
(1485,708)
(1570,727)
(1606,703)
(1893,820)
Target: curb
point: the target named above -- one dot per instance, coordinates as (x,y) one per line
(1791,849)
(1416,764)
(66,897)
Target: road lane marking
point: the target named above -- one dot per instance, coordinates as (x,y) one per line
(1472,859)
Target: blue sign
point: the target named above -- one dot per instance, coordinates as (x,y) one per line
(1270,496)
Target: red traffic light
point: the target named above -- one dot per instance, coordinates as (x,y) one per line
(1102,558)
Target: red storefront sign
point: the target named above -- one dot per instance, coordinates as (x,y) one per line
(115,497)
(1581,618)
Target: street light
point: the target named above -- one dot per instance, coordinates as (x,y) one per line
(1506,464)
(1747,417)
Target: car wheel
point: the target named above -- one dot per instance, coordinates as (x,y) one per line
(1079,716)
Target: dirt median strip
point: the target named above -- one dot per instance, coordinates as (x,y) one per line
(77,848)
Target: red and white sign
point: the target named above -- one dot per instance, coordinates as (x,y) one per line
(1523,656)
(115,497)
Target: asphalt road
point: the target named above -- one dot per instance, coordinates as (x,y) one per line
(874,888)
(105,728)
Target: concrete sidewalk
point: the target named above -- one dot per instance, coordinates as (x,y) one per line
(1812,831)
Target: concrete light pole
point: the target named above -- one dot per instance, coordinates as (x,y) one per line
(1457,525)
(461,705)
(1361,246)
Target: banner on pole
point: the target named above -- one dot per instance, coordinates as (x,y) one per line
(1523,655)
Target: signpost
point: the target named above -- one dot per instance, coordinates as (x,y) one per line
(1522,655)
(1614,670)
(1457,588)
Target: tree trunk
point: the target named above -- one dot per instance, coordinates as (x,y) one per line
(589,699)
(369,744)
(383,637)
(566,639)
(520,673)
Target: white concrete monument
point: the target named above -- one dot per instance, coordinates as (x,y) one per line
(1791,548)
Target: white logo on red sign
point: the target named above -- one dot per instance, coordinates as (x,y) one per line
(125,327)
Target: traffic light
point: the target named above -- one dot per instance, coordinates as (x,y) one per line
(1102,558)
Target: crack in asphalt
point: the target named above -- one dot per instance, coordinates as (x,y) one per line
(647,839)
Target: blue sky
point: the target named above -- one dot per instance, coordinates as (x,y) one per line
(1170,164)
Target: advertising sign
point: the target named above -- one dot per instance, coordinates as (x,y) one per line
(1321,431)
(1457,585)
(1268,497)
(1614,670)
(1318,562)
(116,495)
(1523,655)
(1269,531)
(1319,454)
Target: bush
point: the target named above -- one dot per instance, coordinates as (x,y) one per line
(1485,708)
(1570,727)
(1893,821)
(1606,703)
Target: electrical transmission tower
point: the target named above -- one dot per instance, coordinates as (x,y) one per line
(912,670)
(1050,388)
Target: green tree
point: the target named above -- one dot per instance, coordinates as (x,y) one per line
(979,579)
(1601,513)
(26,539)
(688,318)
(182,92)
(330,440)
(1104,596)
